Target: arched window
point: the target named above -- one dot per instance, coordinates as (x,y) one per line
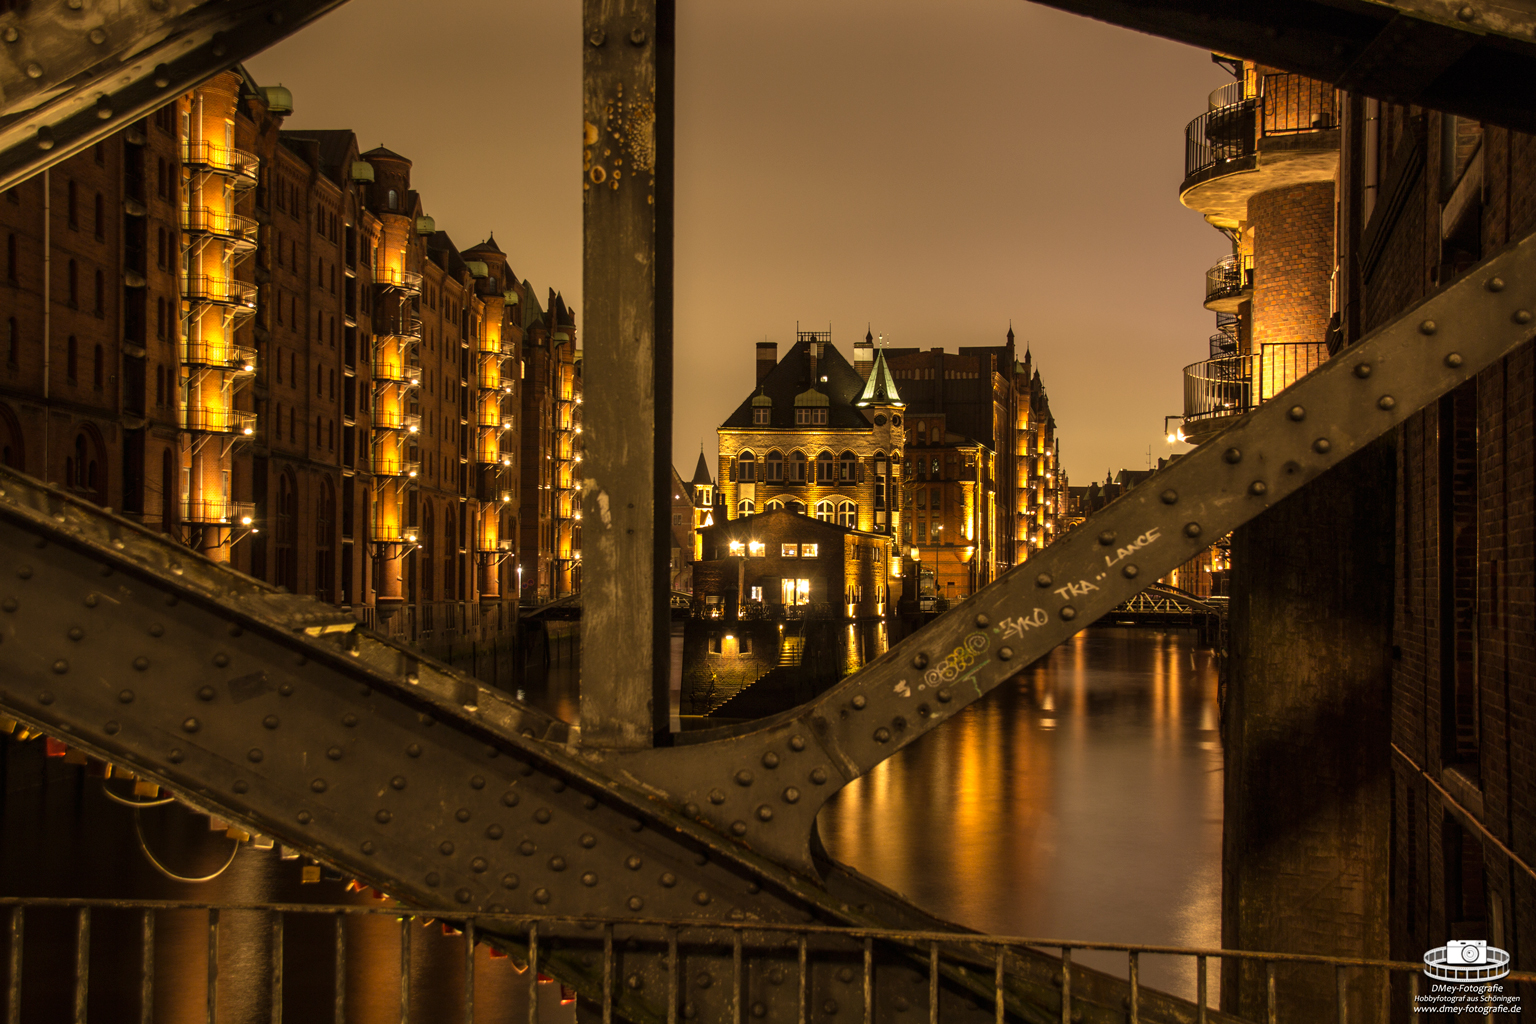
(744,508)
(72,359)
(848,515)
(774,467)
(797,467)
(825,468)
(845,467)
(98,368)
(797,507)
(922,432)
(101,294)
(287,532)
(746,468)
(824,511)
(394,200)
(774,505)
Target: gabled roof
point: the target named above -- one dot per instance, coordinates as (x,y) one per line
(387,154)
(489,245)
(792,378)
(881,386)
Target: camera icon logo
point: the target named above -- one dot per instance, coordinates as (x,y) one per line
(1466,951)
(1466,961)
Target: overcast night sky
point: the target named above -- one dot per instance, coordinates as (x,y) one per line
(932,168)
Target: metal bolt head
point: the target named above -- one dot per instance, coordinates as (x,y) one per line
(1170,496)
(920,661)
(11,35)
(1107,538)
(982,622)
(1428,327)
(1522,316)
(819,776)
(1363,370)
(1453,360)
(1386,403)
(1068,613)
(744,778)
(1466,13)
(882,735)
(1233,456)
(1130,572)
(791,795)
(738,828)
(765,813)
(637,36)
(1004,654)
(1258,488)
(597,37)
(1495,284)
(97,36)
(797,743)
(716,797)
(770,760)
(1191,529)
(1322,446)
(859,702)
(1043,580)
(1296,413)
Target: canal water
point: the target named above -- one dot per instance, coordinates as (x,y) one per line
(1081,800)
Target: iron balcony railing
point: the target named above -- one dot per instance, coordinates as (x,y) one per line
(231,227)
(1230,279)
(236,163)
(203,420)
(1286,104)
(240,358)
(405,280)
(221,291)
(398,326)
(388,370)
(385,418)
(387,465)
(219,511)
(1233,384)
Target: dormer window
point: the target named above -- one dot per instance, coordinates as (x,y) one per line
(762,410)
(811,409)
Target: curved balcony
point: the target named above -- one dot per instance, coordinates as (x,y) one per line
(230,422)
(397,326)
(1218,389)
(1222,344)
(395,371)
(236,164)
(489,378)
(236,357)
(237,230)
(487,346)
(1284,132)
(395,419)
(220,512)
(220,291)
(1229,283)
(407,281)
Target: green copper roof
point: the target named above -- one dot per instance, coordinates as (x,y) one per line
(881,387)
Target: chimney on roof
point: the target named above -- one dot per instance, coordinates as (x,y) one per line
(767,359)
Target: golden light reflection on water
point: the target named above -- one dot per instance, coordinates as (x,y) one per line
(1080,800)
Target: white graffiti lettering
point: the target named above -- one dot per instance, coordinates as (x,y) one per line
(1077,589)
(1017,627)
(1135,545)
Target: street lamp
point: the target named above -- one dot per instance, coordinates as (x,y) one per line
(1176,434)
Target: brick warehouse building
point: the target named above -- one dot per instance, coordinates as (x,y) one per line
(1402,682)
(258,340)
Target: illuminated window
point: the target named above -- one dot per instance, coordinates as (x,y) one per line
(737,547)
(744,508)
(760,415)
(757,595)
(824,511)
(796,591)
(825,468)
(797,467)
(774,468)
(789,550)
(756,549)
(746,468)
(846,464)
(808,550)
(848,515)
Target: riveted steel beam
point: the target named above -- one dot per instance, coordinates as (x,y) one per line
(627,370)
(74,71)
(1476,59)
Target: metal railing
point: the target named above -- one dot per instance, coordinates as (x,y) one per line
(1286,104)
(1218,387)
(385,418)
(395,371)
(222,290)
(591,955)
(235,356)
(1229,279)
(1282,365)
(238,163)
(397,326)
(405,280)
(233,227)
(219,511)
(219,421)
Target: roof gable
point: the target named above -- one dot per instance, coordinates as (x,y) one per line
(835,380)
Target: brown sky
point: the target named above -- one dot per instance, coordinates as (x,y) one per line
(932,167)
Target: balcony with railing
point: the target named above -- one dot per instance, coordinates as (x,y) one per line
(407,281)
(1220,388)
(236,229)
(219,512)
(393,370)
(220,291)
(1229,283)
(1274,131)
(237,164)
(386,418)
(397,325)
(232,422)
(233,356)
